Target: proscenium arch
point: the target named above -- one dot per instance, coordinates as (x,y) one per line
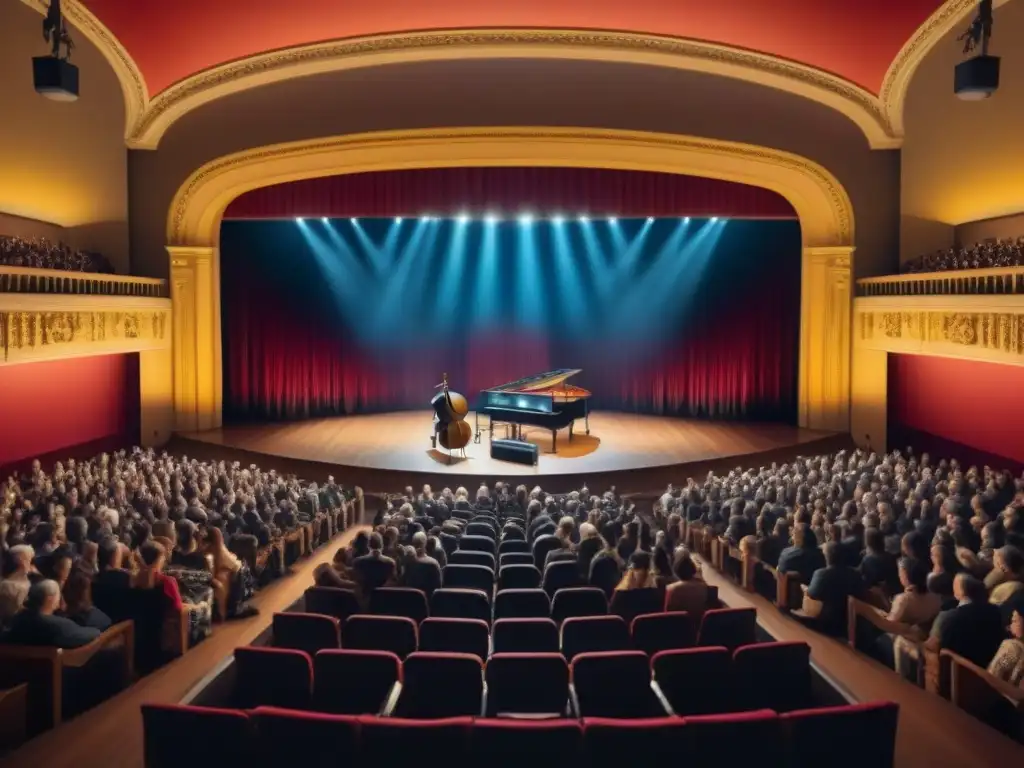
(820,201)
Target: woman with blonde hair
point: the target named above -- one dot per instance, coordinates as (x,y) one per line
(231,572)
(638,573)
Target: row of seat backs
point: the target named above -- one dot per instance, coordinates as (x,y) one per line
(694,681)
(476,604)
(841,737)
(401,635)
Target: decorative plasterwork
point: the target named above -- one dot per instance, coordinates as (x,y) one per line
(133,85)
(821,202)
(858,104)
(897,80)
(969,327)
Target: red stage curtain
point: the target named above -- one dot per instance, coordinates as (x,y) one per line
(449,191)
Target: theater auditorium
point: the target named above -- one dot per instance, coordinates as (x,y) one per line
(511,383)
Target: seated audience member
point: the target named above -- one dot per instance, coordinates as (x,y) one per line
(877,567)
(1007,576)
(15,585)
(606,567)
(422,572)
(187,553)
(770,547)
(590,545)
(56,566)
(1008,663)
(38,624)
(662,566)
(153,556)
(945,567)
(689,593)
(565,534)
(109,560)
(232,572)
(78,602)
(915,604)
(974,628)
(374,569)
(436,551)
(804,557)
(638,574)
(831,586)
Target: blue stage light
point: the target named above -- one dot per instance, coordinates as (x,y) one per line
(424,218)
(492,218)
(558,219)
(526,218)
(650,219)
(298,219)
(324,219)
(612,220)
(584,219)
(398,219)
(464,219)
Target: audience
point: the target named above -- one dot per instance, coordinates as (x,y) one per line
(39,253)
(997,253)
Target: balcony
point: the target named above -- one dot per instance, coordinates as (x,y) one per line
(28,280)
(967,282)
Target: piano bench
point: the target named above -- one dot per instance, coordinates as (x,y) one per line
(518,451)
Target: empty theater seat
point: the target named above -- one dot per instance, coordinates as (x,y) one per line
(630,603)
(478,544)
(468,577)
(744,738)
(309,632)
(396,634)
(332,601)
(399,601)
(350,682)
(591,634)
(845,737)
(460,604)
(455,636)
(516,546)
(525,636)
(656,632)
(226,735)
(578,601)
(612,743)
(515,558)
(695,681)
(522,604)
(562,574)
(440,685)
(614,684)
(394,742)
(527,683)
(525,743)
(518,577)
(284,734)
(731,627)
(279,677)
(773,676)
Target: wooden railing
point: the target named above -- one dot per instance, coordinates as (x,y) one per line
(1001,280)
(29,280)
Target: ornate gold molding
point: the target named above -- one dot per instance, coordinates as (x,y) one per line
(858,104)
(997,336)
(821,202)
(35,334)
(133,85)
(897,80)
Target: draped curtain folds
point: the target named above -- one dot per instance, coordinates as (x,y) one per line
(570,191)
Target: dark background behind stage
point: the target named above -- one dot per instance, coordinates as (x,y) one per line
(669,316)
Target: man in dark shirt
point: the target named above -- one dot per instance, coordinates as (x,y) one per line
(424,572)
(803,557)
(831,586)
(374,569)
(974,629)
(878,567)
(37,625)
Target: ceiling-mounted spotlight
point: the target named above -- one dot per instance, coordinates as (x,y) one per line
(978,77)
(54,76)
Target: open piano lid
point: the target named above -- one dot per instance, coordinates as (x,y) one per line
(552,382)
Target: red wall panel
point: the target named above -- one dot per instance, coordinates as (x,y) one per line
(46,407)
(978,405)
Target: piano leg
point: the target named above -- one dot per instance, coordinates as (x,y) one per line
(554,441)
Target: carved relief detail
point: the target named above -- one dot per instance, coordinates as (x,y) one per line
(994,331)
(30,330)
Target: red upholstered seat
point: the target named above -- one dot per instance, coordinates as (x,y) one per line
(461,604)
(578,601)
(522,604)
(395,742)
(396,634)
(225,736)
(455,636)
(773,676)
(518,577)
(351,682)
(468,577)
(332,601)
(615,743)
(309,632)
(630,603)
(731,627)
(399,601)
(520,683)
(278,677)
(438,685)
(654,632)
(561,574)
(285,737)
(745,738)
(696,681)
(525,636)
(478,544)
(525,743)
(865,732)
(592,634)
(614,684)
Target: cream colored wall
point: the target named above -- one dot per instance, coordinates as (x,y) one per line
(962,161)
(62,163)
(1002,228)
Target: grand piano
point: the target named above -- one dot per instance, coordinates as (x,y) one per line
(542,400)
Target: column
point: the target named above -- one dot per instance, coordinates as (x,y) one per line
(869,415)
(156,396)
(825,338)
(195,292)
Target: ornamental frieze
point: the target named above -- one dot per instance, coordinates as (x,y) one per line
(993,331)
(34,330)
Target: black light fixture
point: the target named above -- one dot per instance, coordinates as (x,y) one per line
(54,76)
(978,77)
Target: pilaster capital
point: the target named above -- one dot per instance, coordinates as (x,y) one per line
(833,256)
(188,256)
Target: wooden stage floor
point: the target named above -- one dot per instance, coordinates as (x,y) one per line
(385,446)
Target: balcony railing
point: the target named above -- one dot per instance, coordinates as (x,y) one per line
(1002,281)
(51,281)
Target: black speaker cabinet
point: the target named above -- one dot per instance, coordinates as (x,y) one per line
(514,450)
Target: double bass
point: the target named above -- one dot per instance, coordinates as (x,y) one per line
(451,429)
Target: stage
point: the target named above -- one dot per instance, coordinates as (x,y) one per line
(384,452)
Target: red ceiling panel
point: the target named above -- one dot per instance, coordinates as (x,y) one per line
(856,39)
